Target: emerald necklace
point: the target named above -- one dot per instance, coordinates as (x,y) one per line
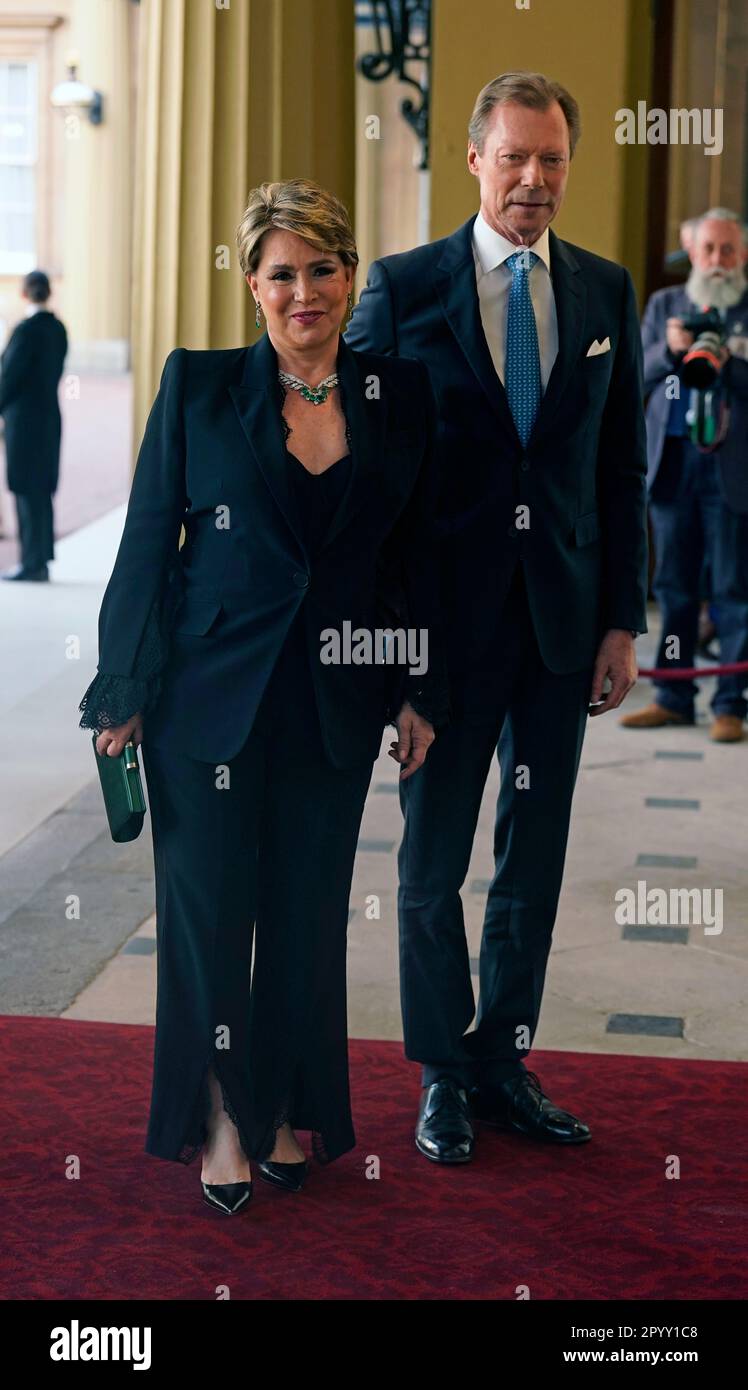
(315,394)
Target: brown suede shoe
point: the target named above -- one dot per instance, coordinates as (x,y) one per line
(727,728)
(653,717)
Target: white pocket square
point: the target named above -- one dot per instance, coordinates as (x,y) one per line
(596,348)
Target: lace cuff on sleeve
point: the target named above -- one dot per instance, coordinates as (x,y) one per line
(111,700)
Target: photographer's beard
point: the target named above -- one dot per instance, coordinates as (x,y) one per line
(716,288)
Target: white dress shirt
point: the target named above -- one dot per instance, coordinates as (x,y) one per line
(493,279)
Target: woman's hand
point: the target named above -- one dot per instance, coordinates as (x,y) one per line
(416,736)
(112,741)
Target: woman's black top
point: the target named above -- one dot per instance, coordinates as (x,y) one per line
(317,496)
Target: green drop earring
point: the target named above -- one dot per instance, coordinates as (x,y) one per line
(258,312)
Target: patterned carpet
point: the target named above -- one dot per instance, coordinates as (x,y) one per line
(599,1222)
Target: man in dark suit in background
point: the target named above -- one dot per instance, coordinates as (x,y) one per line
(534,353)
(30,370)
(699,499)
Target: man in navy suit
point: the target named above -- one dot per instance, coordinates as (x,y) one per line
(534,353)
(699,499)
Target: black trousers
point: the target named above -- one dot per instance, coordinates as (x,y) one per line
(535,722)
(35,528)
(260,850)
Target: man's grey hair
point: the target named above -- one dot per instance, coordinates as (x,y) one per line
(531,89)
(720,215)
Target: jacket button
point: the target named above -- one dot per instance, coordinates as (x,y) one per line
(301,580)
(524,465)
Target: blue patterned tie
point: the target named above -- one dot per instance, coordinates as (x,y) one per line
(522,360)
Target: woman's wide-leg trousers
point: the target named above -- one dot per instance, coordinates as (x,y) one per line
(257,852)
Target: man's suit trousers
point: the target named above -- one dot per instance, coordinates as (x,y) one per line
(536,726)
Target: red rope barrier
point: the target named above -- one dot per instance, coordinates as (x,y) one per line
(689,673)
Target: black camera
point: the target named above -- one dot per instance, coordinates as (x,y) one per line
(708,413)
(701,365)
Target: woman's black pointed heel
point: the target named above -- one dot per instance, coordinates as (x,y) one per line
(289,1176)
(229,1197)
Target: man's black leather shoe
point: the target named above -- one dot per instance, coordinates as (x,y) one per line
(444,1132)
(520,1104)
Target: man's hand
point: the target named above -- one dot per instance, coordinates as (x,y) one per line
(616,659)
(416,736)
(678,338)
(112,741)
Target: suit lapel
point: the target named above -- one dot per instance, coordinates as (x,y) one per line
(257,402)
(367,418)
(456,286)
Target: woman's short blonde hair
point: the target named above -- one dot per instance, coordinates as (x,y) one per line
(300,206)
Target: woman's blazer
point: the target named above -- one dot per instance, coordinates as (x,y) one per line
(213,461)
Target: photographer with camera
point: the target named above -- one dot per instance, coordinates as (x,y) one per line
(695,339)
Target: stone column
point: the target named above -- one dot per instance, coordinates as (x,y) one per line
(229,94)
(98,184)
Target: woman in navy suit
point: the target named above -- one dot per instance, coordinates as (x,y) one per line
(302,473)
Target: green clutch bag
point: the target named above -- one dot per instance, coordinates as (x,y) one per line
(123,791)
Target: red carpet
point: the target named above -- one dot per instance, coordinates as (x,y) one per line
(600,1222)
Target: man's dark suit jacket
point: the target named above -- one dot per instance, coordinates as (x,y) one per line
(213,459)
(659,364)
(31,369)
(582,474)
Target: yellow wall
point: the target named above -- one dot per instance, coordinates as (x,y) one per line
(601,51)
(84,172)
